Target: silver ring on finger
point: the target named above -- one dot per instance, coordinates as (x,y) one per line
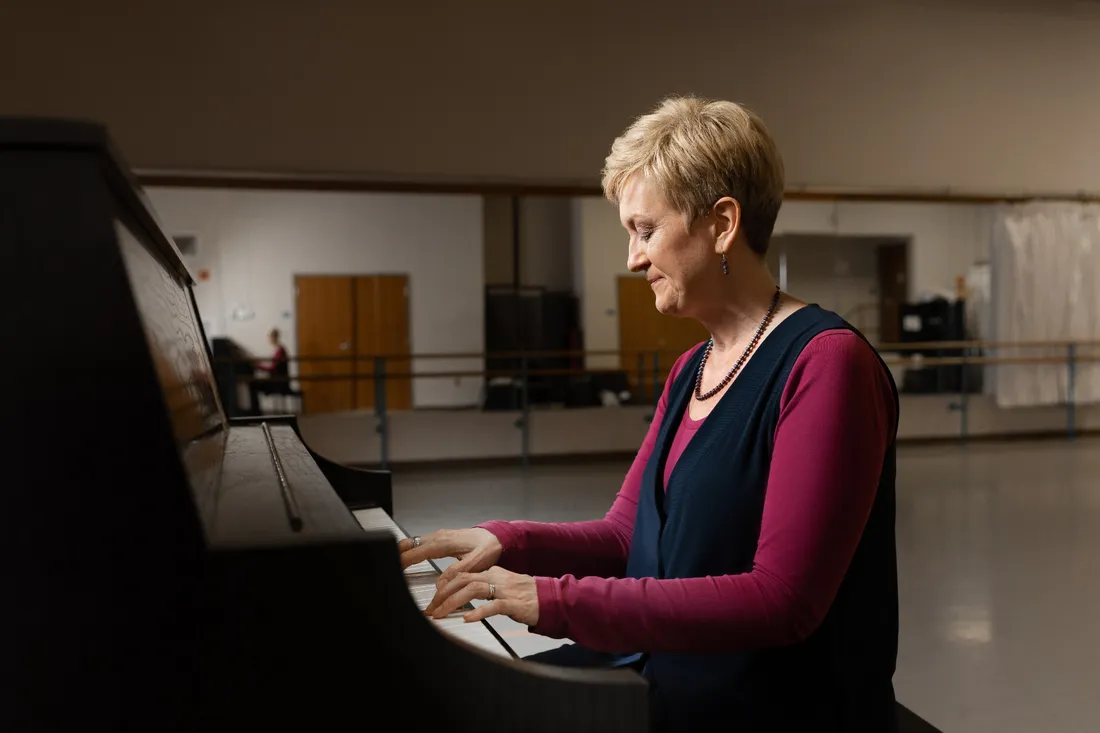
(492,591)
(416,542)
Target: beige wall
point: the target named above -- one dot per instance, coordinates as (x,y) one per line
(968,94)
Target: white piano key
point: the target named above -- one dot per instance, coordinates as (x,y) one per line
(420,580)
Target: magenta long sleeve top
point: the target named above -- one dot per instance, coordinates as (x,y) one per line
(837,412)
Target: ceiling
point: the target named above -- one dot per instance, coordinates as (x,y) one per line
(1040,7)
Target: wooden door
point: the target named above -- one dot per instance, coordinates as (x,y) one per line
(680,334)
(640,330)
(325,311)
(893,289)
(643,329)
(382,329)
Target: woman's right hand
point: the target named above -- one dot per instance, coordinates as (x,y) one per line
(476,549)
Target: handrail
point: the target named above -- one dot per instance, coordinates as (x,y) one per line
(560,354)
(939,345)
(652,370)
(912,361)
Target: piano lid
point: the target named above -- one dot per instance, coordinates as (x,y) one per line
(57,135)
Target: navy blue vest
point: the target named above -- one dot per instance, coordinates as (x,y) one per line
(707,522)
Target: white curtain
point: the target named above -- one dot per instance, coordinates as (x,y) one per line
(1046,275)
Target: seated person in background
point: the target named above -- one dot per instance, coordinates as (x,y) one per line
(279,370)
(747,566)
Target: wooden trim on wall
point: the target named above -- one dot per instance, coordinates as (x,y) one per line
(302,182)
(321,183)
(924,196)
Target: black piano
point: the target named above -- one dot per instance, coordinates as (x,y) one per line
(167,568)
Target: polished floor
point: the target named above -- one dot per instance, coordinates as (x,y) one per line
(999,561)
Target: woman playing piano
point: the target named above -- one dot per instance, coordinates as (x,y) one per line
(747,566)
(276,371)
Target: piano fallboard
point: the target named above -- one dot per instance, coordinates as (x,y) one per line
(270,490)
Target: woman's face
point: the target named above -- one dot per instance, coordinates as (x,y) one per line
(679,258)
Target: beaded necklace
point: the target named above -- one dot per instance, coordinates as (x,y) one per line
(740,362)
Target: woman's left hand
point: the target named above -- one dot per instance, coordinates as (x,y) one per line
(509,594)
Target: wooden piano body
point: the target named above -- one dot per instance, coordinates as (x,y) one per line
(169,569)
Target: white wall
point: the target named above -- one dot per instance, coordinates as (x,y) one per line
(602,251)
(837,273)
(945,240)
(254,242)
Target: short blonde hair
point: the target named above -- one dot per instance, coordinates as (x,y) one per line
(698,151)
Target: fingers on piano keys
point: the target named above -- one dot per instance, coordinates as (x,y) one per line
(421,578)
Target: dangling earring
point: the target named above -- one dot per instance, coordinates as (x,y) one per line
(725,267)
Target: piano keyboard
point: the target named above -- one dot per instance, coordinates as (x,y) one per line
(421,578)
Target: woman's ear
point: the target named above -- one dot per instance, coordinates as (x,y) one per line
(727,212)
